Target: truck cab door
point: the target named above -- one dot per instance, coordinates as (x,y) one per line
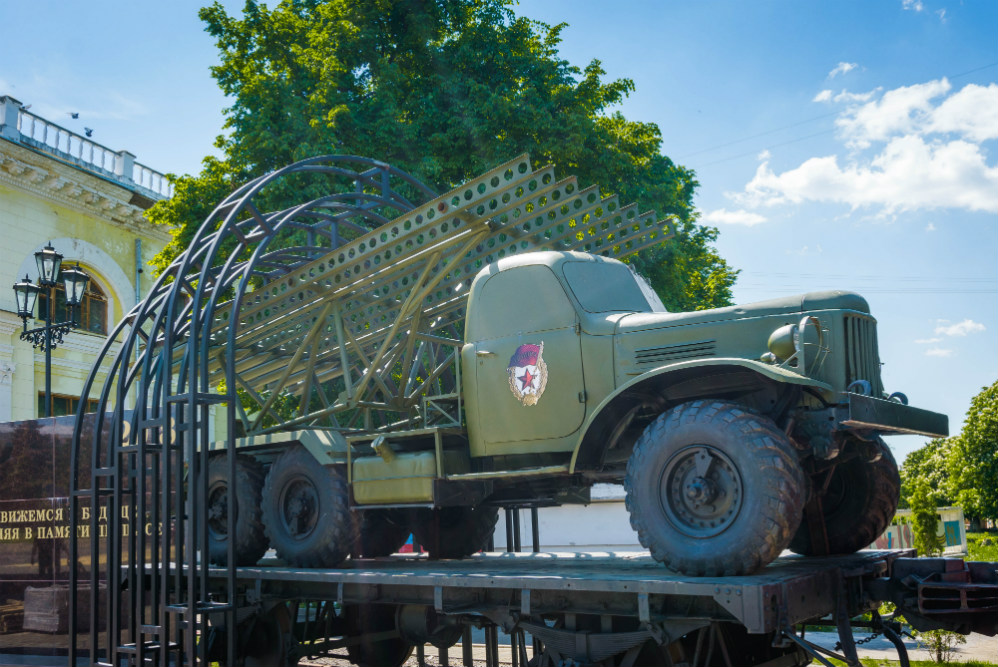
(528,364)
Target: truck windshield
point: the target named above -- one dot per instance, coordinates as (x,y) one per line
(602,287)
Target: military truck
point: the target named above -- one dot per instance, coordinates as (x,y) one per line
(382,360)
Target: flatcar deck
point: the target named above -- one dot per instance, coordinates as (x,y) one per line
(790,590)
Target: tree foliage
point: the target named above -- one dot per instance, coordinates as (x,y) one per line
(929,465)
(925,521)
(973,461)
(961,470)
(445,90)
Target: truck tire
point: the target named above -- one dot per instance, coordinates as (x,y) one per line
(380,533)
(858,506)
(714,489)
(454,532)
(250,541)
(306,511)
(368,619)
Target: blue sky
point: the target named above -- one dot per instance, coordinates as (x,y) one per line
(846,145)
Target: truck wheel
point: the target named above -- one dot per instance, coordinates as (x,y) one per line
(714,489)
(381,533)
(250,541)
(306,514)
(455,532)
(362,621)
(858,506)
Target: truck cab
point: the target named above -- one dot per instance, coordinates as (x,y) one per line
(571,359)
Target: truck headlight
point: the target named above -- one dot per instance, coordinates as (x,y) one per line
(783,342)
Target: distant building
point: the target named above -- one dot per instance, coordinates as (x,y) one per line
(89,202)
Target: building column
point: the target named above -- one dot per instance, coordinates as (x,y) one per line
(7,367)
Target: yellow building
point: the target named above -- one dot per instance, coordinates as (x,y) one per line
(89,202)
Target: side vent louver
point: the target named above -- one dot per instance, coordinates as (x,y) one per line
(669,353)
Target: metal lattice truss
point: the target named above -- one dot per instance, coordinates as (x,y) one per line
(380,319)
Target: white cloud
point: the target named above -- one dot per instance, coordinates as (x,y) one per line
(842,68)
(823,96)
(846,97)
(806,250)
(930,227)
(972,112)
(938,352)
(909,174)
(900,111)
(968,326)
(969,113)
(913,4)
(911,148)
(928,341)
(764,155)
(942,15)
(723,216)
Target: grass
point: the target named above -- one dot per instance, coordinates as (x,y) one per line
(985,552)
(874,662)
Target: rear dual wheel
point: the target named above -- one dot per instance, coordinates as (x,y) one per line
(248,537)
(307,514)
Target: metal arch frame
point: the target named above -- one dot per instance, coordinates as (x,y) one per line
(174,314)
(394,326)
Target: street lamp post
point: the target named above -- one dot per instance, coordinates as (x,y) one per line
(26,293)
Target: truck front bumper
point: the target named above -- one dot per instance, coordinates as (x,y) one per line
(883,416)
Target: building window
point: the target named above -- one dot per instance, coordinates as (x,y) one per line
(93,308)
(64,405)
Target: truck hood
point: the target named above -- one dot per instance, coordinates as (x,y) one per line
(790,305)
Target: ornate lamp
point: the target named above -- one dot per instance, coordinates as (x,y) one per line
(26,293)
(48,261)
(75,282)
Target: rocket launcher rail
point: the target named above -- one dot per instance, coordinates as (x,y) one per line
(377,313)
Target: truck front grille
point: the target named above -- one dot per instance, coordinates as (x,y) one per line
(669,353)
(862,356)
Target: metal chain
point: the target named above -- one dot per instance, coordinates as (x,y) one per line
(859,642)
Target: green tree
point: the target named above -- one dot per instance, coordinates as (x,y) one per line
(925,521)
(930,464)
(972,464)
(446,90)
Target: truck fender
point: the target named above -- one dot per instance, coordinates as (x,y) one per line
(726,374)
(327,447)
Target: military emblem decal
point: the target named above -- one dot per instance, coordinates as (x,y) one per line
(528,374)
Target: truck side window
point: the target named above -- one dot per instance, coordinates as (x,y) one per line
(602,287)
(524,298)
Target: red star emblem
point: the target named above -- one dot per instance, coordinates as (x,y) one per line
(527,380)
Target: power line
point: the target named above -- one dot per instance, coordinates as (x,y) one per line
(756,152)
(756,136)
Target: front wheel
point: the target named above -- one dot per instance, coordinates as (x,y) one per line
(714,489)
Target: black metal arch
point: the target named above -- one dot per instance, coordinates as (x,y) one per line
(172,358)
(342,312)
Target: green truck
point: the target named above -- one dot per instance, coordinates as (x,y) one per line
(387,360)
